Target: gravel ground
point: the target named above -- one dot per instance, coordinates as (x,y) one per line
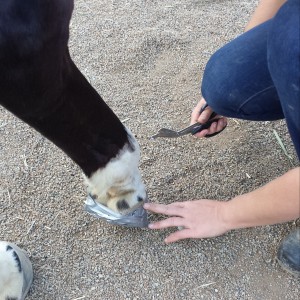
(146,59)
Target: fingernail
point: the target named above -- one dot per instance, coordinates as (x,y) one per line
(146,205)
(151,225)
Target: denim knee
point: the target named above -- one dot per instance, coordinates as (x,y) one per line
(216,87)
(213,87)
(237,81)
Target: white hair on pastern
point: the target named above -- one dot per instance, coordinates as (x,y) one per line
(119,184)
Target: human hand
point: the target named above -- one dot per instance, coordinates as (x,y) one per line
(203,118)
(198,218)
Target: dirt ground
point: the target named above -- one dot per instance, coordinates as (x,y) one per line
(146,58)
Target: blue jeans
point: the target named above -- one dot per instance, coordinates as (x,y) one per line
(257,75)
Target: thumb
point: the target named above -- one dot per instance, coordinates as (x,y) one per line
(204,117)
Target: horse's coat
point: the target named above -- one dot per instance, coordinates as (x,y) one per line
(41,85)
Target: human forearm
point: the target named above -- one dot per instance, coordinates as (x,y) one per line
(276,202)
(265,10)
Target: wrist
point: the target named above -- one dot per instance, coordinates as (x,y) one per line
(224,215)
(232,213)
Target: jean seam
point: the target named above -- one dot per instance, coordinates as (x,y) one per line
(250,98)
